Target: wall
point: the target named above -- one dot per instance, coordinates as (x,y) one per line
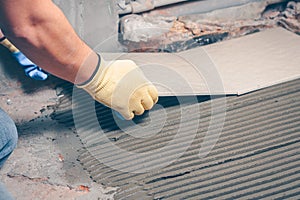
(96,22)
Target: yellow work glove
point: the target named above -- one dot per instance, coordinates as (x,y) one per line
(122,86)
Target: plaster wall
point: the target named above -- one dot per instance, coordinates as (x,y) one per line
(96,22)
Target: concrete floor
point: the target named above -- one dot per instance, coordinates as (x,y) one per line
(45,163)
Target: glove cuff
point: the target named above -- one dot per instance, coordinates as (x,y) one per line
(3,38)
(95,76)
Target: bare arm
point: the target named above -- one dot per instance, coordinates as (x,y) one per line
(41,31)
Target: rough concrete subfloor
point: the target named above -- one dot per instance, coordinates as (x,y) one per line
(44,165)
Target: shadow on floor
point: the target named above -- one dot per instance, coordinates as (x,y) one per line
(12,75)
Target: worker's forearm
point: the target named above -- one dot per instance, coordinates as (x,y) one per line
(41,31)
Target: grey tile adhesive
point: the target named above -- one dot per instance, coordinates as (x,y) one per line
(161,155)
(243,65)
(257,154)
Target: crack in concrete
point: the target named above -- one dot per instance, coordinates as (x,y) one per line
(45,181)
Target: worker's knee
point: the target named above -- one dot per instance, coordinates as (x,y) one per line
(8,136)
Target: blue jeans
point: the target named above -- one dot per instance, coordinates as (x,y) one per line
(8,136)
(8,142)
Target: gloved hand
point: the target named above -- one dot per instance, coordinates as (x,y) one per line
(30,68)
(122,86)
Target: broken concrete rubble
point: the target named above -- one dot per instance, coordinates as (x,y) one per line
(150,27)
(185,31)
(290,17)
